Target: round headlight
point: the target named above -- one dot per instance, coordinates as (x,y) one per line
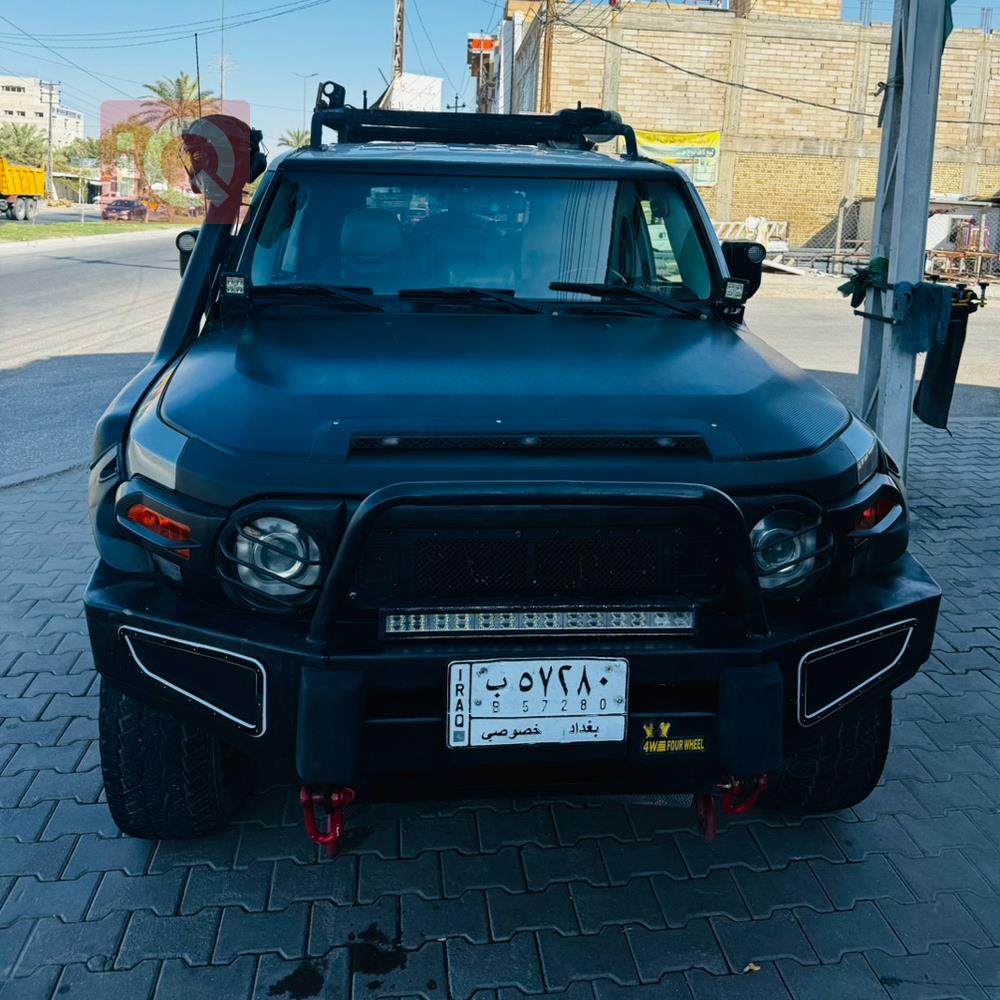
(277,557)
(784,546)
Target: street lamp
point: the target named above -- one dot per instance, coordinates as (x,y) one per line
(305,78)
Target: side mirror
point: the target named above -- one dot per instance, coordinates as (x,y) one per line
(745,260)
(185,247)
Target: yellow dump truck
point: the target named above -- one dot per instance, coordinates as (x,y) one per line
(20,190)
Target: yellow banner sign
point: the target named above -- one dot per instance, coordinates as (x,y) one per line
(696,153)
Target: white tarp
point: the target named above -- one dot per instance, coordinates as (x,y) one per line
(413,92)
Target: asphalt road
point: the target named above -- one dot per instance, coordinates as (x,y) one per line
(84,319)
(87,314)
(47,216)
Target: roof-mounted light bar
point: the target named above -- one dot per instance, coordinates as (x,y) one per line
(579,127)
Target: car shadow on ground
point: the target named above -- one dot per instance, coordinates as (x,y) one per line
(968,401)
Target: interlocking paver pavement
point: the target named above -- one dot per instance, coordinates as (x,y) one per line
(582,900)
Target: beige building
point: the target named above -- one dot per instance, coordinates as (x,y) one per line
(808,162)
(26,100)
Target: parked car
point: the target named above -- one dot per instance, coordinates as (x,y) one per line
(125,210)
(452,475)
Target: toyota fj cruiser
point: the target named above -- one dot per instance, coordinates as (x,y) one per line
(457,471)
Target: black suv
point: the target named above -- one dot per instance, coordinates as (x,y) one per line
(457,471)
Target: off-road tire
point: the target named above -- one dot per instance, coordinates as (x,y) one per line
(20,210)
(30,209)
(164,778)
(841,769)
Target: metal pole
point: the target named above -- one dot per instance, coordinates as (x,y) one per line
(901,211)
(398,38)
(52,182)
(305,77)
(197,71)
(222,51)
(550,29)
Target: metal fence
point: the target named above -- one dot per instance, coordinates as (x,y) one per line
(963,239)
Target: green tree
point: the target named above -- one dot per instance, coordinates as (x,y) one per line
(79,149)
(23,144)
(293,138)
(175,103)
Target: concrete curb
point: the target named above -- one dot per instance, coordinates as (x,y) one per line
(34,475)
(57,242)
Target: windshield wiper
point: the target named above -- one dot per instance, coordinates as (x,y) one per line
(342,293)
(470,292)
(624,292)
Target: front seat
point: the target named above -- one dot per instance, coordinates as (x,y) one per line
(371,249)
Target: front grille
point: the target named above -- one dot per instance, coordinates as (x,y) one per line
(514,566)
(416,566)
(527,442)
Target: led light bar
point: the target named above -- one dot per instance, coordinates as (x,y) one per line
(536,620)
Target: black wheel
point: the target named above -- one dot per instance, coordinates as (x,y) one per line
(30,209)
(841,769)
(163,777)
(20,210)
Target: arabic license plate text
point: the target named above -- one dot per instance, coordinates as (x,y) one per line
(524,702)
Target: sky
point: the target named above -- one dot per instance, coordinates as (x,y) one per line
(349,41)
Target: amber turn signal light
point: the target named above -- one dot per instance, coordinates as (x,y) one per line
(160,524)
(875,513)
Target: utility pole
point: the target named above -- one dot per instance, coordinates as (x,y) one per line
(550,31)
(456,107)
(222,51)
(305,78)
(398,38)
(52,184)
(902,206)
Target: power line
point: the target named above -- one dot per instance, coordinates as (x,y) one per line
(65,59)
(749,87)
(160,29)
(183,35)
(430,41)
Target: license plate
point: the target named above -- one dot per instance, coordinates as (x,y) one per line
(526,702)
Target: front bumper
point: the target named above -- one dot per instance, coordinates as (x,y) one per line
(374,716)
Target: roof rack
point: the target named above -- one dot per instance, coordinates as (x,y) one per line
(580,128)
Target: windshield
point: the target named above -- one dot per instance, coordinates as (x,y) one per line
(395,232)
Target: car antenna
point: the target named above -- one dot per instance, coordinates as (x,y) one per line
(364,98)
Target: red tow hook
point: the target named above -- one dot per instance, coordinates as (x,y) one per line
(332,802)
(737,800)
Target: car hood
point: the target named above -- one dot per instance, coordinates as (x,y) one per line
(302,381)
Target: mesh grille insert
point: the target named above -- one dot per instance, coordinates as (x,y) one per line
(408,565)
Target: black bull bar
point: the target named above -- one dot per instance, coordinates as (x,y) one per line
(546,494)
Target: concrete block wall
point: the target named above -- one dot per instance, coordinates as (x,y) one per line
(827,9)
(789,161)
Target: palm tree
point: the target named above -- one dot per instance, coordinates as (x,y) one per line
(177,103)
(293,138)
(23,144)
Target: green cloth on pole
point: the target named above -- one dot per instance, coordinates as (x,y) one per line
(922,312)
(875,274)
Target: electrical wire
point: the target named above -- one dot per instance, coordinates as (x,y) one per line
(434,51)
(65,59)
(168,29)
(749,87)
(299,6)
(411,37)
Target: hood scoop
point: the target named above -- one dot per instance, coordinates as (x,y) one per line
(563,443)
